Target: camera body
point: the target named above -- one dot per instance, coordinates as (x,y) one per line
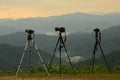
(61,29)
(29,31)
(96,30)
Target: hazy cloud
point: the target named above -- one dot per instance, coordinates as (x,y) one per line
(76,59)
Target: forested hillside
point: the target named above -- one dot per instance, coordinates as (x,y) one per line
(10,57)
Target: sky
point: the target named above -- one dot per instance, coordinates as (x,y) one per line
(45,8)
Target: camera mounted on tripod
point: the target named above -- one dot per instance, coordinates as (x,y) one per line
(29,31)
(97,35)
(96,30)
(60,29)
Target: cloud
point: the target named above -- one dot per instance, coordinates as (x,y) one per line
(76,59)
(50,33)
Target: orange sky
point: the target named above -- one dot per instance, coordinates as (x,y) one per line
(44,8)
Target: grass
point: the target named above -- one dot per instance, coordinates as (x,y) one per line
(39,76)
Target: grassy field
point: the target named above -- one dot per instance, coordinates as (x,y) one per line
(63,77)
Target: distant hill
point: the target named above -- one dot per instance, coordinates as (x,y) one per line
(10,57)
(82,44)
(73,22)
(78,44)
(113,59)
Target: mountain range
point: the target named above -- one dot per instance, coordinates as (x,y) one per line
(80,36)
(78,44)
(74,22)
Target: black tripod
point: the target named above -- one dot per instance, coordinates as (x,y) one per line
(97,44)
(61,44)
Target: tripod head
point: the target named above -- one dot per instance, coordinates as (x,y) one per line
(30,33)
(97,35)
(61,30)
(30,37)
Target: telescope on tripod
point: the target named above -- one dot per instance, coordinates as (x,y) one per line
(61,44)
(30,45)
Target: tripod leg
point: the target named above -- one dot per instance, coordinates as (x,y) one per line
(30,61)
(21,60)
(93,62)
(105,59)
(53,55)
(68,55)
(93,59)
(42,61)
(60,46)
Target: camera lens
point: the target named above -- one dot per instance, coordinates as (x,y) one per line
(56,29)
(26,30)
(61,29)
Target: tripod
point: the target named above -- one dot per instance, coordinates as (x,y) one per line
(97,44)
(30,45)
(61,44)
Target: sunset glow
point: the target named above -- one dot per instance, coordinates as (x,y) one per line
(44,8)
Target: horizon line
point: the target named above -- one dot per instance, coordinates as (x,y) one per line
(99,14)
